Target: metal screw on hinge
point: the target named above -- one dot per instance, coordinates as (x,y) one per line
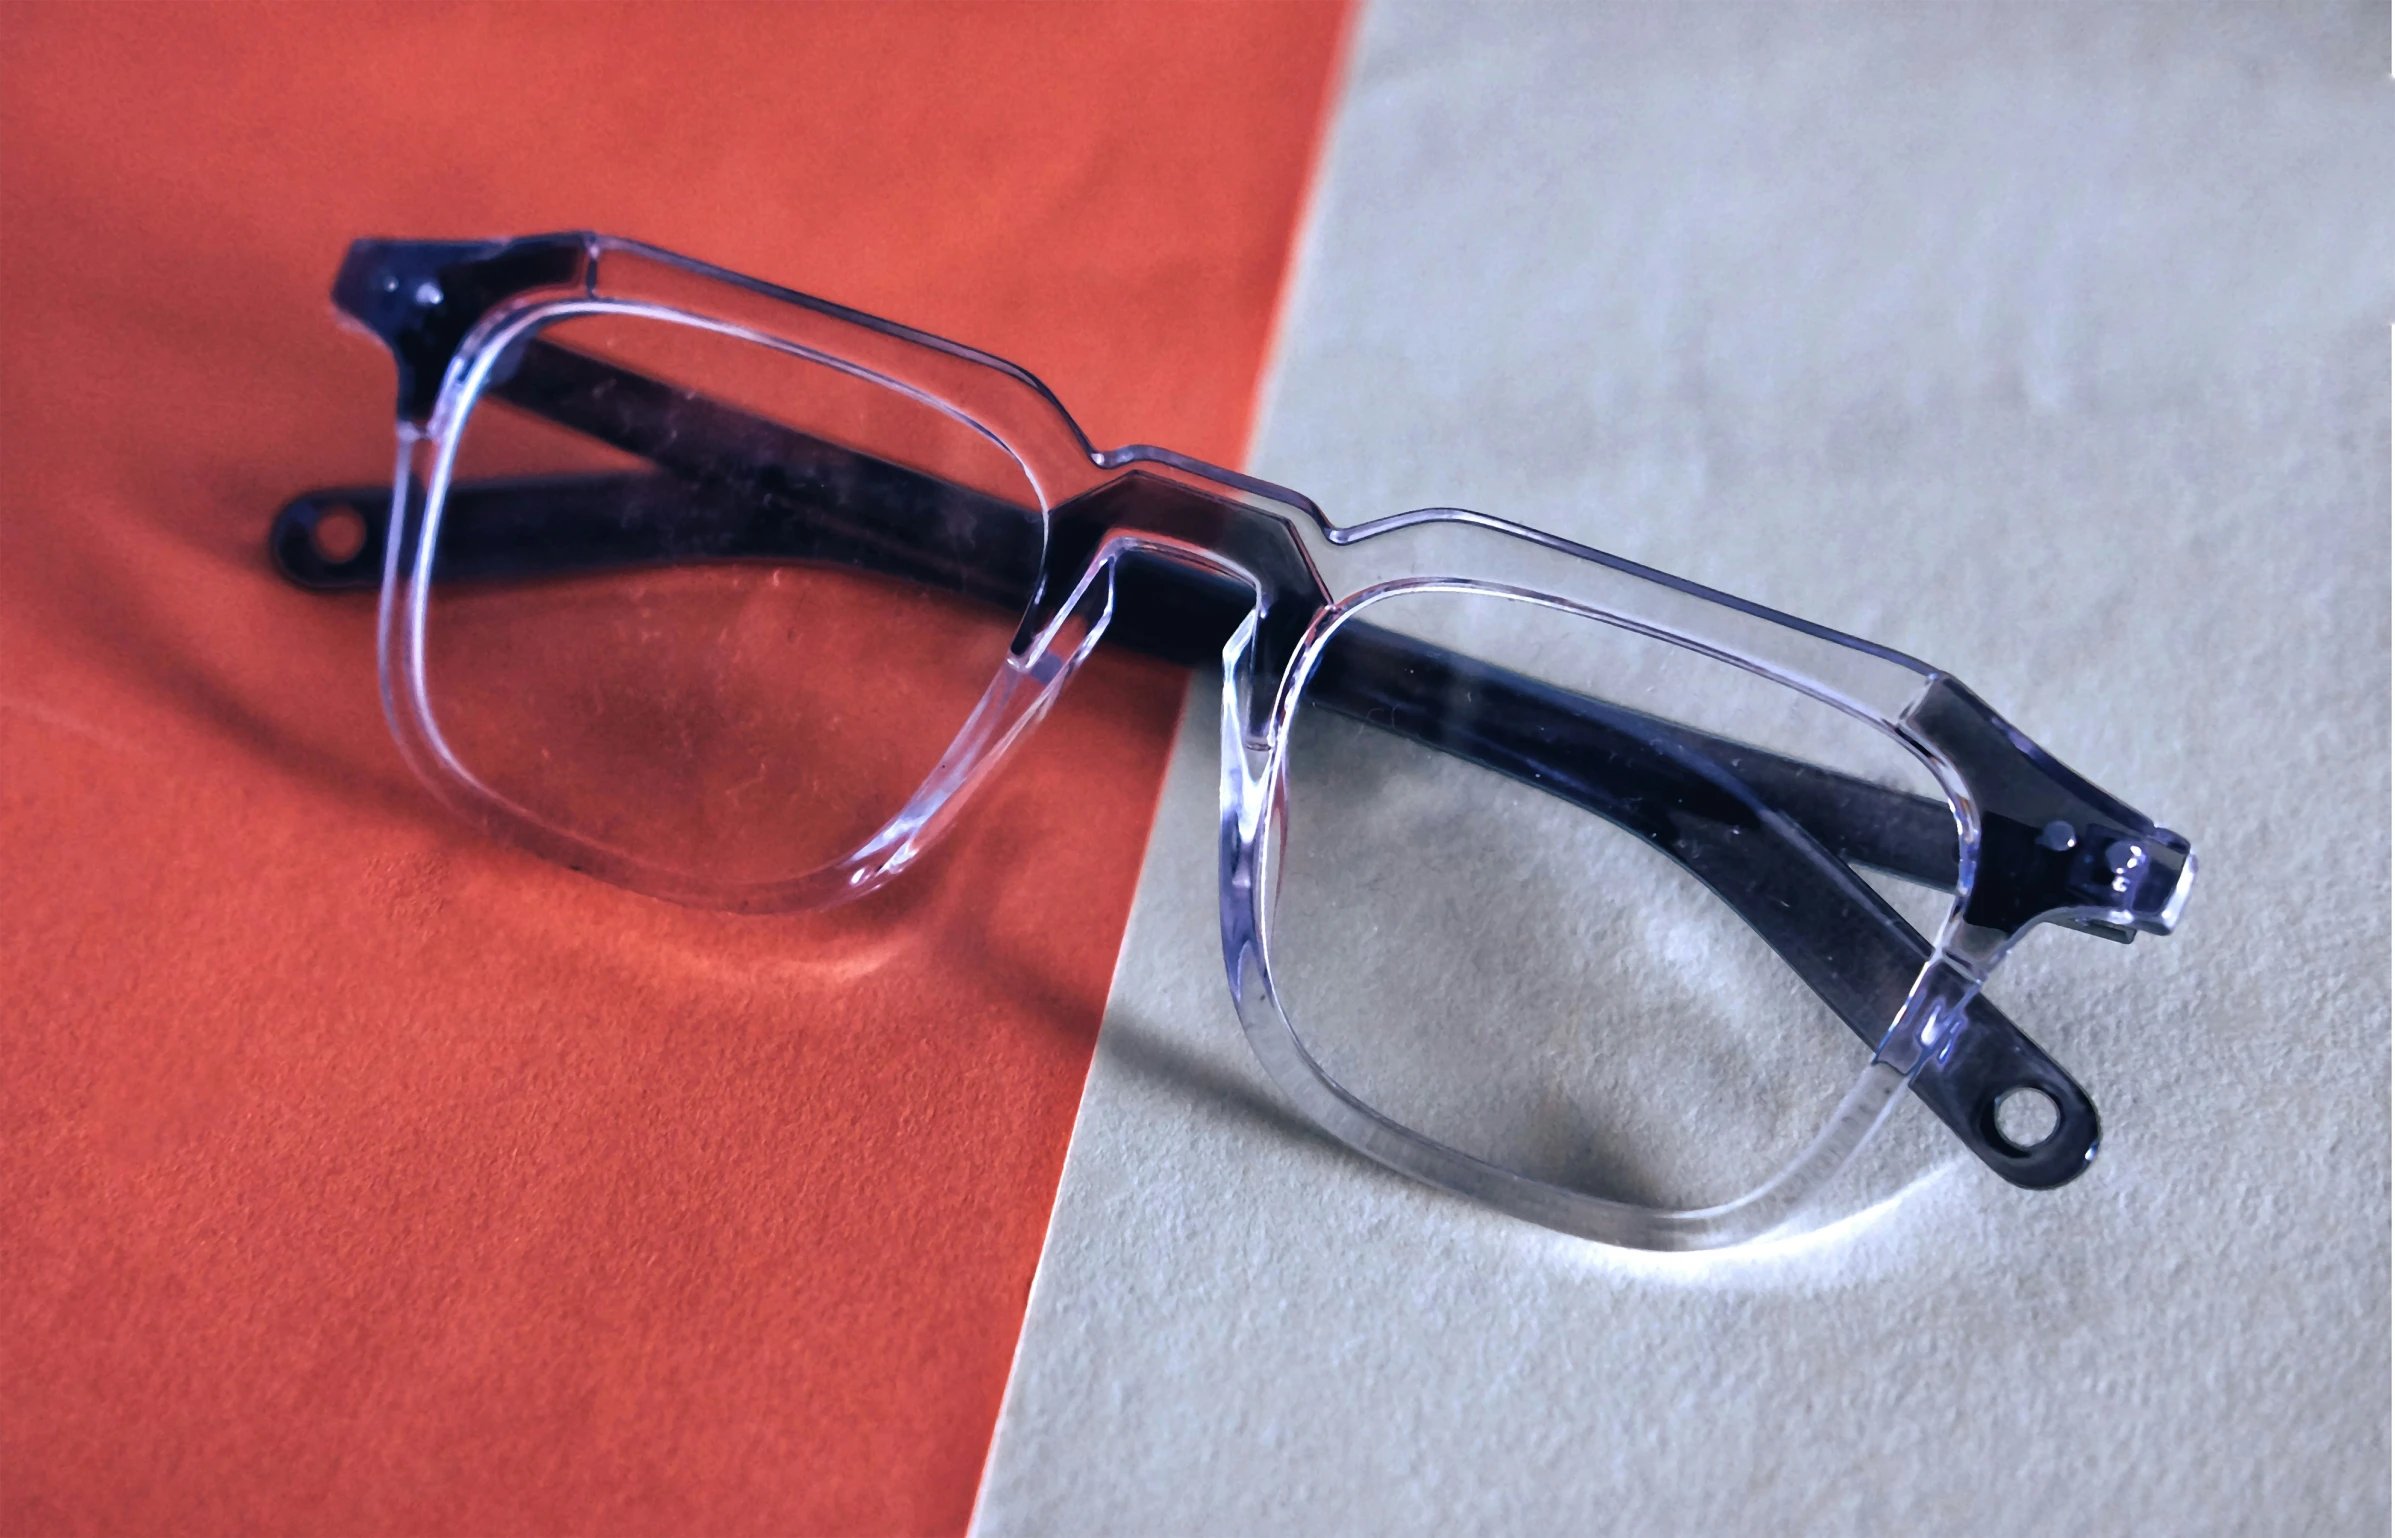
(2124,858)
(2058,836)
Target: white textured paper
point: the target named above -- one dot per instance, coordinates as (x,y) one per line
(2049,344)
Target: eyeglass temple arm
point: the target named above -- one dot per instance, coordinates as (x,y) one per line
(733,486)
(1659,780)
(548,526)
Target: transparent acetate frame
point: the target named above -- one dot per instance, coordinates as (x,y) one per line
(1152,550)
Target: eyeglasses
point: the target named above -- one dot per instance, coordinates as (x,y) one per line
(1546,878)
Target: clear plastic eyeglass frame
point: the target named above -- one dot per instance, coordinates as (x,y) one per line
(1150,549)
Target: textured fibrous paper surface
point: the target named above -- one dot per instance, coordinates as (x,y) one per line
(2049,344)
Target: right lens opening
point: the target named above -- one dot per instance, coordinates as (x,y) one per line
(710,605)
(1522,857)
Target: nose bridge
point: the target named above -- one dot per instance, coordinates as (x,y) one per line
(1189,565)
(1170,603)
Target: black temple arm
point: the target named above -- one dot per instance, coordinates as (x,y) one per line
(751,487)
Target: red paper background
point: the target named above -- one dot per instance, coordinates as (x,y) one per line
(357,1175)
